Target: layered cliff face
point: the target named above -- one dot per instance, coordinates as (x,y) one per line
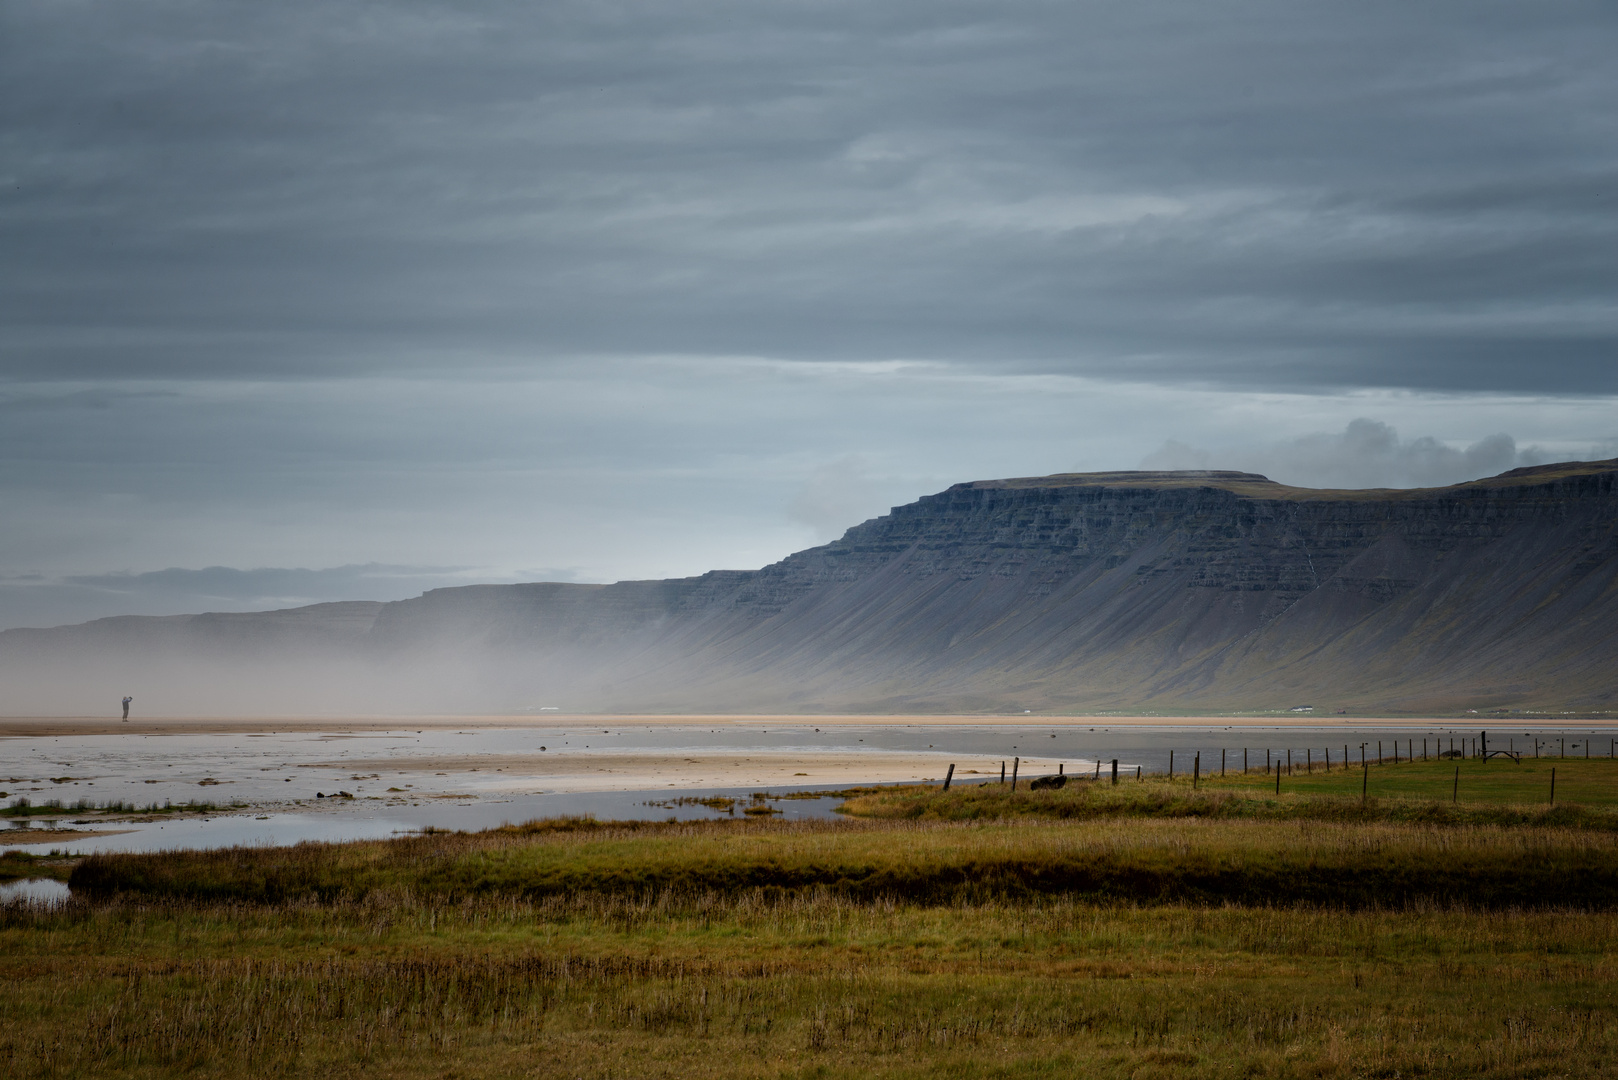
(1175,591)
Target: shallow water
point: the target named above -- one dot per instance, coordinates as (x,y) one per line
(279,773)
(37,889)
(346,820)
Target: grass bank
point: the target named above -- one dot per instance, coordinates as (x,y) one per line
(1137,859)
(1499,793)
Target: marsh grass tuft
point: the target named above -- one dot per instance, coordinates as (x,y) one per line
(24,808)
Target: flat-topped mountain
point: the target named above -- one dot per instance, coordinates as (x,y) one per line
(1128,590)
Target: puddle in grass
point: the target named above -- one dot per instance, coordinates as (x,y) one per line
(40,890)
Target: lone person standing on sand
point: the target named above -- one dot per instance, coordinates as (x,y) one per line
(127,700)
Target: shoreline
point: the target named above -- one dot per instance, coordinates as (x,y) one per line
(23,727)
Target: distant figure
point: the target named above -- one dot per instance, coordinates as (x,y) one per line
(127,700)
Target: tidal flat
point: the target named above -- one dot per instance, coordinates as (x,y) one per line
(1147,930)
(245,781)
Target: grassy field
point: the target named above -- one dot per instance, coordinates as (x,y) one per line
(1592,782)
(1143,931)
(806,986)
(1499,792)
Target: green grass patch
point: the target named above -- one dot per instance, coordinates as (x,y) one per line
(1498,781)
(1496,793)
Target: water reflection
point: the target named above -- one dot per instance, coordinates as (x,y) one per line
(39,890)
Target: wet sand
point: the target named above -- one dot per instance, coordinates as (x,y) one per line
(647,771)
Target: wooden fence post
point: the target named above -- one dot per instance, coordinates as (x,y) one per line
(949,775)
(1553,785)
(1014,763)
(1365,782)
(1114,772)
(1455,793)
(1196,770)
(1221,761)
(1171,764)
(1278,778)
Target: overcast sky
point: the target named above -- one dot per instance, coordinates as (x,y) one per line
(384,296)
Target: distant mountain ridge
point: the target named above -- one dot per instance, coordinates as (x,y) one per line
(1197,590)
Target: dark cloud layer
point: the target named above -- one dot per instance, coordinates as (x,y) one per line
(1249,193)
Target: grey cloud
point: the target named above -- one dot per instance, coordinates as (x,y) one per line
(1238,193)
(1365,454)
